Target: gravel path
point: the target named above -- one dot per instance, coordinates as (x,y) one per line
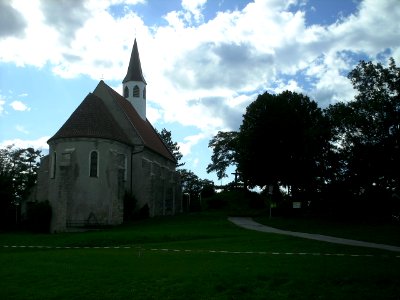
(249,223)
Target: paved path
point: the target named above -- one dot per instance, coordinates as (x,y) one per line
(249,223)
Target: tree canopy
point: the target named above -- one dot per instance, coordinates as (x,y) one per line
(287,140)
(18,173)
(280,141)
(224,146)
(367,130)
(173,147)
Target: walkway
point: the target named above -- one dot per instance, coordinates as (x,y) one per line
(249,223)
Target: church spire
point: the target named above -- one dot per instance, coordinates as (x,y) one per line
(134,84)
(135,69)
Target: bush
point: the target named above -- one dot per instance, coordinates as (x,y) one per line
(131,211)
(39,216)
(237,202)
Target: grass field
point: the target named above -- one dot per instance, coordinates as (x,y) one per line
(196,256)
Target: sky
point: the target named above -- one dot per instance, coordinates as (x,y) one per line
(204,61)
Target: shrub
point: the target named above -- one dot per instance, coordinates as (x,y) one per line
(39,216)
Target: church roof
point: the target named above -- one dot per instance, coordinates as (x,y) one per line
(149,136)
(134,69)
(91,119)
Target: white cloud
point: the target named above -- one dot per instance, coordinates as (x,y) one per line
(19,105)
(291,85)
(203,74)
(22,129)
(2,102)
(40,143)
(189,142)
(194,7)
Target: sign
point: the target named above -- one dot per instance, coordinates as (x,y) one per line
(296,204)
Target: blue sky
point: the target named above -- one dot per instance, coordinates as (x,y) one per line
(204,61)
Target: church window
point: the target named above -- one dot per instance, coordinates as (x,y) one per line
(53,165)
(144,93)
(136,91)
(94,164)
(126,92)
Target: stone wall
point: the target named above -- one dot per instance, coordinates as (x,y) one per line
(77,198)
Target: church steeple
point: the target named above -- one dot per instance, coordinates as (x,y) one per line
(134,84)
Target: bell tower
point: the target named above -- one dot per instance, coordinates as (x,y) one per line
(134,84)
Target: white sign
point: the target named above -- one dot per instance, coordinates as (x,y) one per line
(296,204)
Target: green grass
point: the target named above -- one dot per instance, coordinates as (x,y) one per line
(138,272)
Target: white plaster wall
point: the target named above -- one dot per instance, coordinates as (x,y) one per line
(74,195)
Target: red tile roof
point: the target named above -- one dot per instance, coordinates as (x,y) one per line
(91,119)
(149,136)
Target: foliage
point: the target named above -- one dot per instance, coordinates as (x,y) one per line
(224,146)
(344,159)
(367,130)
(282,141)
(18,173)
(132,211)
(237,202)
(39,216)
(173,147)
(195,188)
(366,135)
(193,185)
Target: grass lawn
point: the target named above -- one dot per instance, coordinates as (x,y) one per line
(197,256)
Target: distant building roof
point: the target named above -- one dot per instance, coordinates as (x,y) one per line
(134,69)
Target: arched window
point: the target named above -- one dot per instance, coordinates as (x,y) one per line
(136,91)
(94,164)
(126,92)
(144,93)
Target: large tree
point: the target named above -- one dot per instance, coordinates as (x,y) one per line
(282,140)
(18,173)
(367,130)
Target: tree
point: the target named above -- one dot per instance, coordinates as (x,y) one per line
(224,146)
(172,146)
(367,130)
(282,141)
(18,173)
(191,183)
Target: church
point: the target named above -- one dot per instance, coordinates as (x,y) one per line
(108,151)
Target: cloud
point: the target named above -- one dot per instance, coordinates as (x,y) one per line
(66,16)
(210,66)
(189,142)
(19,106)
(22,129)
(210,70)
(12,23)
(40,143)
(2,102)
(194,7)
